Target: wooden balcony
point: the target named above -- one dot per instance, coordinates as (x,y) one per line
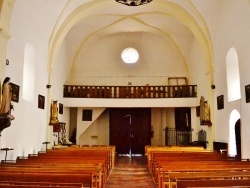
(173,91)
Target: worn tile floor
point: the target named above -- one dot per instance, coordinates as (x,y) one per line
(130,172)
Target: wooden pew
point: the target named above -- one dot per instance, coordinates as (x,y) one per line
(97,180)
(9,184)
(189,161)
(149,150)
(73,160)
(107,153)
(163,177)
(84,179)
(97,164)
(212,183)
(171,165)
(170,179)
(183,156)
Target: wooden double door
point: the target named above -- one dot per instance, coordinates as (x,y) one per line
(130,130)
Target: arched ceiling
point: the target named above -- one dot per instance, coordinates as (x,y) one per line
(85,25)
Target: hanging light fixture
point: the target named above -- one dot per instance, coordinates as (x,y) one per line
(133,2)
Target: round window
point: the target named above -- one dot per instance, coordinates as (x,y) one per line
(130,55)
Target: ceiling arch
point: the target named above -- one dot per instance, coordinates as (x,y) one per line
(103,18)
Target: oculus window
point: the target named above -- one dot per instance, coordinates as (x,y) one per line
(130,55)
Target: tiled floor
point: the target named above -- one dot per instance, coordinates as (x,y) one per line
(130,172)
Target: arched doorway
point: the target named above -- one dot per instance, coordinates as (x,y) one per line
(233,122)
(238,138)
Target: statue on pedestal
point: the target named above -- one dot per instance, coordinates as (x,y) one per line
(204,112)
(54,112)
(5,105)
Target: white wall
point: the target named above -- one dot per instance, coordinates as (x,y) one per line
(233,31)
(34,26)
(102,64)
(97,133)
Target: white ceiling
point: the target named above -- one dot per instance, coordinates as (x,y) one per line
(175,24)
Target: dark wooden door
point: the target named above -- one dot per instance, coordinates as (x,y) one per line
(238,138)
(183,119)
(130,129)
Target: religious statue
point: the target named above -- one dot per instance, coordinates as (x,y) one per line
(5,105)
(54,112)
(204,112)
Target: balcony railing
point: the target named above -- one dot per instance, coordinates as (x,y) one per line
(177,91)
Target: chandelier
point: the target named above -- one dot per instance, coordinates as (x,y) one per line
(133,2)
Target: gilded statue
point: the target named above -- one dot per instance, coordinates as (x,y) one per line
(54,112)
(5,105)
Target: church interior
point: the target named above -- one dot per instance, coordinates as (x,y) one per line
(128,78)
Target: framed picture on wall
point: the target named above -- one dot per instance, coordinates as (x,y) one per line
(15,92)
(41,101)
(220,102)
(247,92)
(60,108)
(86,115)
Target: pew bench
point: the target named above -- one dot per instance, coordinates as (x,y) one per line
(184,156)
(84,179)
(98,164)
(170,179)
(160,160)
(9,184)
(97,173)
(211,183)
(59,163)
(97,177)
(163,178)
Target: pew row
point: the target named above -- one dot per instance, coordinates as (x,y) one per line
(73,161)
(169,164)
(212,183)
(84,179)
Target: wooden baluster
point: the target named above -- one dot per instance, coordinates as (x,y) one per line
(94,92)
(138,92)
(65,91)
(191,91)
(127,92)
(79,91)
(84,92)
(99,92)
(171,91)
(121,92)
(116,92)
(155,92)
(195,91)
(69,91)
(161,92)
(106,92)
(132,92)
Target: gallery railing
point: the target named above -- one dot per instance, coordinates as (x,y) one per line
(178,91)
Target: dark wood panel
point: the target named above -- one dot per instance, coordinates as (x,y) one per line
(183,119)
(130,129)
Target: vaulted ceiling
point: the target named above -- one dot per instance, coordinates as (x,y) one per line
(97,31)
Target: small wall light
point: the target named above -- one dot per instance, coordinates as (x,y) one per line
(212,86)
(48,86)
